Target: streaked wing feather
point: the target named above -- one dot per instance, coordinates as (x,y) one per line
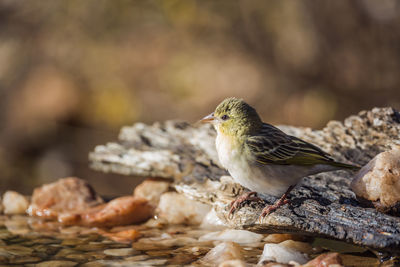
(272,146)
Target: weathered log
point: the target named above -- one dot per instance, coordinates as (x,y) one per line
(323,205)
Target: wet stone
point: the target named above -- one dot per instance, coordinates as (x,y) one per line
(92,246)
(121,252)
(57,264)
(24,259)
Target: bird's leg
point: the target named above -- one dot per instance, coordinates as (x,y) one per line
(280,202)
(249,196)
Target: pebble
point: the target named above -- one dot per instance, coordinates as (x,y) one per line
(151,190)
(24,259)
(281,254)
(326,259)
(212,222)
(178,209)
(242,237)
(223,252)
(68,196)
(15,250)
(14,203)
(278,238)
(121,252)
(125,236)
(379,180)
(56,264)
(233,263)
(120,211)
(299,246)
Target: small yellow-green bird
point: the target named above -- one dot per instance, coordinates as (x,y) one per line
(261,157)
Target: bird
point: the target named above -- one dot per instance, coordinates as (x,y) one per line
(261,157)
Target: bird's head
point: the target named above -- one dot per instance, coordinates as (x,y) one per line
(234,117)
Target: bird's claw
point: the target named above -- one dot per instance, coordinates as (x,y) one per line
(237,203)
(271,208)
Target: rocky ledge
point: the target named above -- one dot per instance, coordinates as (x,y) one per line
(323,205)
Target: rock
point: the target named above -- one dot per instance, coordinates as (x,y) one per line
(57,264)
(125,236)
(322,205)
(281,254)
(241,237)
(120,211)
(325,260)
(14,203)
(212,222)
(178,209)
(121,252)
(151,190)
(233,263)
(278,238)
(303,247)
(379,181)
(223,252)
(67,195)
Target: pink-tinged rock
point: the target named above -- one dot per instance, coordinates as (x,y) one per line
(14,203)
(325,260)
(120,211)
(67,195)
(124,236)
(151,190)
(178,209)
(379,180)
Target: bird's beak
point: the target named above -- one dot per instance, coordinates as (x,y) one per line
(208,118)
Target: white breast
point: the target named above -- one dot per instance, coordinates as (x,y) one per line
(268,179)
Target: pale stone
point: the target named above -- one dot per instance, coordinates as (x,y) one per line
(238,236)
(379,180)
(14,203)
(178,209)
(212,222)
(281,254)
(121,252)
(151,190)
(233,263)
(223,252)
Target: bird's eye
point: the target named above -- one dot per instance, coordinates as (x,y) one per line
(224,117)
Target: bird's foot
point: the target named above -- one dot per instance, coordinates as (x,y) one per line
(271,208)
(238,202)
(279,203)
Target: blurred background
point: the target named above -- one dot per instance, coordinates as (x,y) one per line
(73,72)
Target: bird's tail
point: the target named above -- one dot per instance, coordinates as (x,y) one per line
(345,166)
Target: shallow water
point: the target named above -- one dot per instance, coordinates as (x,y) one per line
(27,241)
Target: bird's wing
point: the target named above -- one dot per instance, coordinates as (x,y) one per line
(272,146)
